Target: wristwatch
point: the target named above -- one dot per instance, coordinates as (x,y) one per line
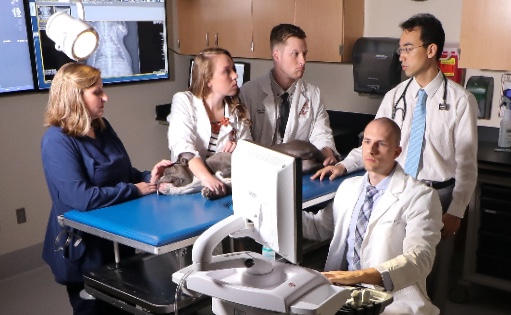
(387,281)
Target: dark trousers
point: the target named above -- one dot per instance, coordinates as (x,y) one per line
(89,307)
(437,282)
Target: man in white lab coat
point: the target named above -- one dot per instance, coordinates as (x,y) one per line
(305,117)
(397,249)
(449,149)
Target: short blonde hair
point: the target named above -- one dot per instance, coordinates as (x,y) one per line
(66,107)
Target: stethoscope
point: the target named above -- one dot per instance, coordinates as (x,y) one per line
(395,108)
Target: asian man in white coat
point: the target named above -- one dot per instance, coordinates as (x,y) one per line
(386,240)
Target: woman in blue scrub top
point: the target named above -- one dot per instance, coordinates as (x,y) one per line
(86,167)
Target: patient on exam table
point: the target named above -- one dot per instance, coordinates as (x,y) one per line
(177,179)
(86,167)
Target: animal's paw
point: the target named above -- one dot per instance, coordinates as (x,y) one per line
(210,194)
(170,189)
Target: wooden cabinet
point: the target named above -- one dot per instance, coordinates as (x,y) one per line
(210,23)
(332,27)
(484,39)
(265,15)
(243,26)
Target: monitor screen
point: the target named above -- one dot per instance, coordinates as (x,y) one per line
(16,67)
(242,69)
(267,192)
(132,39)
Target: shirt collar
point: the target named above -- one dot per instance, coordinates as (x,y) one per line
(431,88)
(277,90)
(384,184)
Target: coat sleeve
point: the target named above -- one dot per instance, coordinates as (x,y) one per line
(321,133)
(422,234)
(318,226)
(65,169)
(182,134)
(465,155)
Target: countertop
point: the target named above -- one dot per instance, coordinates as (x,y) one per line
(486,154)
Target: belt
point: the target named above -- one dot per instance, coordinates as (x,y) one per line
(439,185)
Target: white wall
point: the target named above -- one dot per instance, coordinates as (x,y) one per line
(131,112)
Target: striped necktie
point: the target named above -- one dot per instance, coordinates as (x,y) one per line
(414,154)
(363,220)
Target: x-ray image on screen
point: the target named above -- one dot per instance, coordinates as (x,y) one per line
(132,39)
(112,55)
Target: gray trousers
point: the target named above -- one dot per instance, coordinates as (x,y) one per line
(438,280)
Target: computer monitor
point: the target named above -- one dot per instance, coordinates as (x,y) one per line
(267,192)
(242,69)
(132,39)
(15,64)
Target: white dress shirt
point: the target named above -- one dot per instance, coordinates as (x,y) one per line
(450,149)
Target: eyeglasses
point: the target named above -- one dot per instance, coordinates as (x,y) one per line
(406,50)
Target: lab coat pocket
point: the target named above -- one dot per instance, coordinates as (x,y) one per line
(303,127)
(390,230)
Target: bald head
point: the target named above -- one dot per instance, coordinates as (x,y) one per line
(380,148)
(389,127)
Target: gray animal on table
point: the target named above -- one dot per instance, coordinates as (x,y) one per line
(312,158)
(178,179)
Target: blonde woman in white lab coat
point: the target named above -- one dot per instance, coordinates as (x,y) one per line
(209,117)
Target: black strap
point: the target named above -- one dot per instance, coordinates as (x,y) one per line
(441,185)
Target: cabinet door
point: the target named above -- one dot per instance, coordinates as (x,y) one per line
(332,27)
(209,23)
(484,39)
(265,15)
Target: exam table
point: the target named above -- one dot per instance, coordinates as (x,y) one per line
(161,227)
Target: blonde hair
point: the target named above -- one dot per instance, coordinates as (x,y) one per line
(66,107)
(202,72)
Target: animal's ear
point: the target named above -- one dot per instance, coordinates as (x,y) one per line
(185,157)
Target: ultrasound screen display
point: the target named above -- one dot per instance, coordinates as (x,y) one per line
(15,65)
(132,39)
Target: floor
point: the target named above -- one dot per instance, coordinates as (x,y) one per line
(35,292)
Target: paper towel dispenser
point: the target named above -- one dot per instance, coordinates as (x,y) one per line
(376,66)
(482,88)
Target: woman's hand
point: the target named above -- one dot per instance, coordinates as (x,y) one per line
(215,185)
(229,147)
(158,169)
(145,188)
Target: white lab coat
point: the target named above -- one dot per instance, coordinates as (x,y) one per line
(401,236)
(190,128)
(308,119)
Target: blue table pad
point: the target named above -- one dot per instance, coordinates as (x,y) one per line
(159,220)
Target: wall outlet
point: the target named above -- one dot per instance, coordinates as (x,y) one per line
(21,216)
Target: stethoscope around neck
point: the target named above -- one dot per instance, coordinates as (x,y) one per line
(395,108)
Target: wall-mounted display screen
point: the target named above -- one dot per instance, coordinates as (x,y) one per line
(15,64)
(132,39)
(242,69)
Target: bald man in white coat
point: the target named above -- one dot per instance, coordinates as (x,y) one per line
(398,247)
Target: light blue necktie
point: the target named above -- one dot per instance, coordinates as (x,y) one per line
(362,221)
(413,156)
